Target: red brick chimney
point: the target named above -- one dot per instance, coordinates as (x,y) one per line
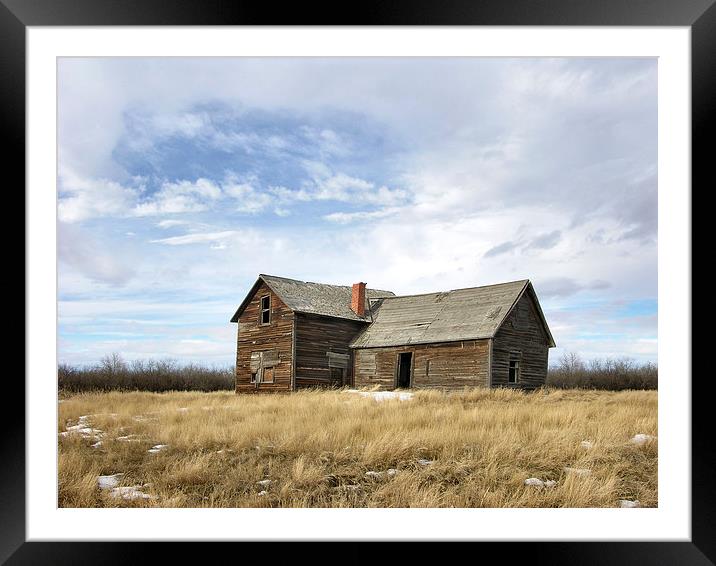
(358,299)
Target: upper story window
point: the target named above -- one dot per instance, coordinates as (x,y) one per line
(265,316)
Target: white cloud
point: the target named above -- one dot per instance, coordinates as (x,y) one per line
(217,239)
(179,197)
(82,198)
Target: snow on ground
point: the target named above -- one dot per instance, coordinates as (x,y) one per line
(578,471)
(108,482)
(83,428)
(262,493)
(642,438)
(157,448)
(383,395)
(182,409)
(264,483)
(536,482)
(144,418)
(130,438)
(130,492)
(424,462)
(586,444)
(97,444)
(626,503)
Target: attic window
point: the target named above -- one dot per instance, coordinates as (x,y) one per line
(266,309)
(514,372)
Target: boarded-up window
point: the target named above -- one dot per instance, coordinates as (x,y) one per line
(268,375)
(336,360)
(262,366)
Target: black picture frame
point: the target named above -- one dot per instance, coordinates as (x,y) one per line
(699,15)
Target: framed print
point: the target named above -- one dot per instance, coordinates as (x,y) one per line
(401,278)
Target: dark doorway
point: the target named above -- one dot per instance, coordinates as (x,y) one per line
(405,364)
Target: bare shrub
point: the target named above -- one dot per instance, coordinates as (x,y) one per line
(615,374)
(113,373)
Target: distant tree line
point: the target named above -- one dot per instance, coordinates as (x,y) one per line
(113,373)
(609,373)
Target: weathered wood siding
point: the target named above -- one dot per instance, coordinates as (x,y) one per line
(449,365)
(255,337)
(521,337)
(316,336)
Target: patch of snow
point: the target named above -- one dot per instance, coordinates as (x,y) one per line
(372,474)
(182,409)
(144,418)
(392,471)
(383,395)
(424,462)
(264,483)
(262,493)
(641,438)
(578,471)
(351,487)
(536,482)
(97,444)
(130,492)
(130,438)
(83,429)
(108,482)
(586,444)
(157,448)
(626,503)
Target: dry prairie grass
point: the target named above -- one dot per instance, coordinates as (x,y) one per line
(315,447)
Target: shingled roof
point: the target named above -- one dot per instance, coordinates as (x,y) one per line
(314,298)
(462,314)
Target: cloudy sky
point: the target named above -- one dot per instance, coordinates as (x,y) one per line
(182,179)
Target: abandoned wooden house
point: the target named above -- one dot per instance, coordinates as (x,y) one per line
(293,334)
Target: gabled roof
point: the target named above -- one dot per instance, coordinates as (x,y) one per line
(313,298)
(462,314)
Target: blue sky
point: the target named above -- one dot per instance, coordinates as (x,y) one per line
(181,179)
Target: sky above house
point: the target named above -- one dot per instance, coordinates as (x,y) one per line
(181,179)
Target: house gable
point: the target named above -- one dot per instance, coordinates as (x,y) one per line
(262,345)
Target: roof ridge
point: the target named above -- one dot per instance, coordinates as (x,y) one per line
(318,283)
(524,281)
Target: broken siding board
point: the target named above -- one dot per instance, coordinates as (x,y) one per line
(452,365)
(274,339)
(521,337)
(322,345)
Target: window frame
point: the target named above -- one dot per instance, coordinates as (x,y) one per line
(515,361)
(262,310)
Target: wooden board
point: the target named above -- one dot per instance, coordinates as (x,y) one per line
(274,340)
(451,365)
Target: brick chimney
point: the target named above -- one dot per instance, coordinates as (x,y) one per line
(358,299)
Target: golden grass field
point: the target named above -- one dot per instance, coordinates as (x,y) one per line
(315,447)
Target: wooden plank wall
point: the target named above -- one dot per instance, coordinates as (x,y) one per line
(254,337)
(450,365)
(521,336)
(315,337)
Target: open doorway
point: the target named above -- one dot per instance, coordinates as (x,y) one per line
(405,366)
